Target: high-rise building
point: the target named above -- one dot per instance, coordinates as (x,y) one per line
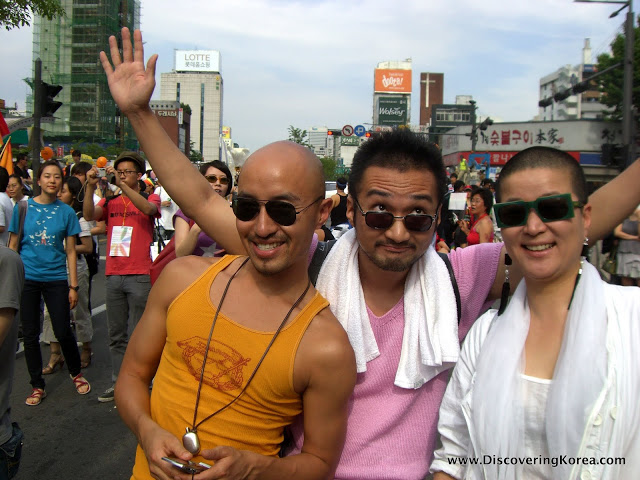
(392,94)
(582,105)
(196,81)
(431,93)
(320,144)
(69,48)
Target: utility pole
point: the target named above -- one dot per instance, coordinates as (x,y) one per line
(628,137)
(37,114)
(474,128)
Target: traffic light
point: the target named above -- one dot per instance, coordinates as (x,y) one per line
(485,123)
(560,96)
(334,133)
(613,155)
(545,102)
(581,87)
(48,93)
(367,134)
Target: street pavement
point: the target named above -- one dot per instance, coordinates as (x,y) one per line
(71,436)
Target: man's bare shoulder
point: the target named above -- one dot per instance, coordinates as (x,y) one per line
(325,345)
(181,272)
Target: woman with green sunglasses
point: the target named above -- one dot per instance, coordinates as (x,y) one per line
(549,387)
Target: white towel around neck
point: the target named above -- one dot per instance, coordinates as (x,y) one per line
(430,340)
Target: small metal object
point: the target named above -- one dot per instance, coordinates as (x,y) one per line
(191,441)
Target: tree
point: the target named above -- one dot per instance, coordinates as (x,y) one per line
(611,83)
(194,155)
(298,136)
(16,14)
(329,166)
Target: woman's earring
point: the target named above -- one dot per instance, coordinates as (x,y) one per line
(506,286)
(585,247)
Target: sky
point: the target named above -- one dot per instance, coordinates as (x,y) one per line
(304,63)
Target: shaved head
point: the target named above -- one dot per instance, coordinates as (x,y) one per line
(284,158)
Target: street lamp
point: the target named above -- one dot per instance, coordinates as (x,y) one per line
(627,93)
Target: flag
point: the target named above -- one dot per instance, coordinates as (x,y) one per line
(4,129)
(6,157)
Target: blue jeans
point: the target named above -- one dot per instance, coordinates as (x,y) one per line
(126,300)
(56,297)
(10,453)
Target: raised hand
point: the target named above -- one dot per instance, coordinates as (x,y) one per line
(130,83)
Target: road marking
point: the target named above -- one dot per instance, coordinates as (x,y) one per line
(99,309)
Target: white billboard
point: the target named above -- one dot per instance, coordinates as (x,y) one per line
(197,61)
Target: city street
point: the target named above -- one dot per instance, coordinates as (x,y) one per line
(69,435)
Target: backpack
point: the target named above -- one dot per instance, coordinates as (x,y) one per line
(324,248)
(93,258)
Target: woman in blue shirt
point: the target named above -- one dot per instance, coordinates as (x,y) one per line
(47,245)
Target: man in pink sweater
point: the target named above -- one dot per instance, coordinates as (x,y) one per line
(406,347)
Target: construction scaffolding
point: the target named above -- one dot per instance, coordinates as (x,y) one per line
(69,48)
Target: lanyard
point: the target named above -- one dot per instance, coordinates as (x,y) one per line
(126,205)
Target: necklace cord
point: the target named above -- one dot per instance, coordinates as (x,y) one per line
(206,352)
(255,370)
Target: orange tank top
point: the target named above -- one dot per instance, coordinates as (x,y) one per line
(257,419)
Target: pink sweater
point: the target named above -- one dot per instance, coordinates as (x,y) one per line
(391,433)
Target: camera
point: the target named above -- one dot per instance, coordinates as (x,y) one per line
(102,172)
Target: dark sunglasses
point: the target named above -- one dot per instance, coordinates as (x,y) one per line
(416,222)
(214,179)
(549,209)
(283,213)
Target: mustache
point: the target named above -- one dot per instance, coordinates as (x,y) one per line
(391,243)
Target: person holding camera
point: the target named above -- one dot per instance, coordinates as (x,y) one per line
(130,221)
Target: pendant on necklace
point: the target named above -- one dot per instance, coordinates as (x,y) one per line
(191,442)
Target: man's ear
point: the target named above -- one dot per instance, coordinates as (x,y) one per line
(350,209)
(439,216)
(586,218)
(324,211)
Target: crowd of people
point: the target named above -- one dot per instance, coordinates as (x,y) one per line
(384,361)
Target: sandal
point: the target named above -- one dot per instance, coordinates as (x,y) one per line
(85,356)
(36,395)
(56,360)
(81,383)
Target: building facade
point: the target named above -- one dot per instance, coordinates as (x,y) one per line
(584,105)
(69,47)
(431,93)
(582,139)
(197,82)
(175,121)
(321,143)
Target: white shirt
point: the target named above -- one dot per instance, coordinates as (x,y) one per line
(166,220)
(612,428)
(6,212)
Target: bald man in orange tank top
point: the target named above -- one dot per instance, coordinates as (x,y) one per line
(239,346)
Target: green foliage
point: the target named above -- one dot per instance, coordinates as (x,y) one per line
(17,13)
(185,108)
(298,136)
(329,166)
(194,155)
(611,83)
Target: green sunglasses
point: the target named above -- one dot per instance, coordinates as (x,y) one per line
(549,209)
